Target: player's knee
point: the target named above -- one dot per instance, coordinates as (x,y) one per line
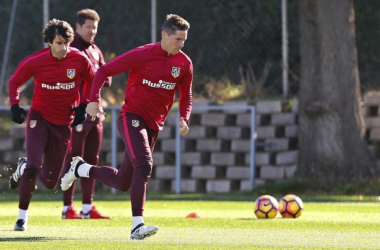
(49,181)
(49,184)
(31,172)
(93,160)
(123,187)
(146,171)
(122,184)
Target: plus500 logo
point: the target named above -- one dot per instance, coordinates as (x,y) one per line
(59,85)
(160,85)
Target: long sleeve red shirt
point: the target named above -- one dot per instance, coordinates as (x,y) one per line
(56,83)
(154,77)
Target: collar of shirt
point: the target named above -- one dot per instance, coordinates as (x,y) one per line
(159,48)
(78,39)
(50,55)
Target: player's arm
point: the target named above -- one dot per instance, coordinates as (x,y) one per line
(185,100)
(23,72)
(116,66)
(87,76)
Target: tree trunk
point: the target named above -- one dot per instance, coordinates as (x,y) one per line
(331,125)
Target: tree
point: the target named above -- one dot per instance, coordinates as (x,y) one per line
(331,125)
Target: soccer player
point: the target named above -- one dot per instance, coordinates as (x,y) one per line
(156,71)
(58,73)
(86,138)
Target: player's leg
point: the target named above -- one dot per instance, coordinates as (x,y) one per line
(68,211)
(135,169)
(142,165)
(91,156)
(139,140)
(77,143)
(118,179)
(36,134)
(55,154)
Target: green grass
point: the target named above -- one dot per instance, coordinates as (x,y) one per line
(228,223)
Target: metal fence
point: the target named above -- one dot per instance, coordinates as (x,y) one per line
(236,43)
(231,43)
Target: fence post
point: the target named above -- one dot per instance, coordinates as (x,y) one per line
(177,156)
(252,149)
(114,141)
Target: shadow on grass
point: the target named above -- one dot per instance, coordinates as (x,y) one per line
(246,219)
(34,239)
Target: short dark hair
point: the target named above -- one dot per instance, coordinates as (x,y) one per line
(85,14)
(57,27)
(173,23)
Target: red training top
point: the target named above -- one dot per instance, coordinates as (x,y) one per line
(57,83)
(154,78)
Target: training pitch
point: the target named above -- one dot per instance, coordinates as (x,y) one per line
(326,223)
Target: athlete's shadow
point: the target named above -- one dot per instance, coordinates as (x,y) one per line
(42,239)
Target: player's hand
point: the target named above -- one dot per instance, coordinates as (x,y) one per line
(93,110)
(80,114)
(183,127)
(18,114)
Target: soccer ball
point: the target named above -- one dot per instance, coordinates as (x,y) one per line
(266,207)
(291,206)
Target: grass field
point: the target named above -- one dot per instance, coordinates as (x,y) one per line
(228,223)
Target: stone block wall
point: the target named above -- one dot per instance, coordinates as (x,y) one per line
(215,153)
(371,111)
(12,146)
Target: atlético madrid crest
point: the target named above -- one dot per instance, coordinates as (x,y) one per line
(71,73)
(33,123)
(176,71)
(135,123)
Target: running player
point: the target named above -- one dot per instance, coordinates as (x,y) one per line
(58,73)
(156,71)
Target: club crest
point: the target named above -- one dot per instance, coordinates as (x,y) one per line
(32,123)
(135,123)
(176,71)
(71,73)
(79,127)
